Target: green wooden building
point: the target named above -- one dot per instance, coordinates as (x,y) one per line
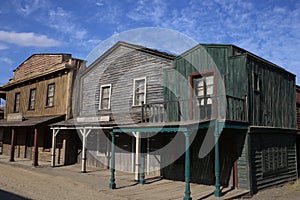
(238,115)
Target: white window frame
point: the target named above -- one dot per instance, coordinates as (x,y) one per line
(100,100)
(145,90)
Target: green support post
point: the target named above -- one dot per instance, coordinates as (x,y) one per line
(187,193)
(112,184)
(217,192)
(142,170)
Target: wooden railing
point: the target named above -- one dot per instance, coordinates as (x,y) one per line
(197,109)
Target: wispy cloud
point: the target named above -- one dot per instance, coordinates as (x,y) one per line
(27,39)
(27,7)
(62,21)
(6,60)
(148,10)
(3,47)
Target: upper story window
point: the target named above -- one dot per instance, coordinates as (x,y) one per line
(50,95)
(139,91)
(17,102)
(204,89)
(256,83)
(105,94)
(31,105)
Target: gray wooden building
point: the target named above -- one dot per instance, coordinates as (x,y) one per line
(112,91)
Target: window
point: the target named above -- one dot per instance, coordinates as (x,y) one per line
(105,94)
(204,93)
(31,105)
(274,159)
(50,95)
(204,89)
(139,91)
(17,102)
(256,83)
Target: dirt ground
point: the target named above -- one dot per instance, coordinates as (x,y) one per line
(290,191)
(19,181)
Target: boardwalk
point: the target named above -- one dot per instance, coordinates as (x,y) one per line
(20,180)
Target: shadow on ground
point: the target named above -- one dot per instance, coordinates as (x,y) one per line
(10,196)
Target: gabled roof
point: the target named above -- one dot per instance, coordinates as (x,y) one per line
(154,52)
(66,55)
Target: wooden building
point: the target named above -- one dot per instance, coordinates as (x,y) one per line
(39,94)
(239,107)
(112,90)
(232,112)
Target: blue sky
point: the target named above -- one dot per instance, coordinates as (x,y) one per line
(270,28)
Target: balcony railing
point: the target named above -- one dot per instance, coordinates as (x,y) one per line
(197,109)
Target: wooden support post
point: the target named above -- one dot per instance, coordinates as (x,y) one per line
(35,153)
(187,174)
(217,192)
(54,133)
(83,163)
(137,155)
(142,164)
(12,146)
(112,184)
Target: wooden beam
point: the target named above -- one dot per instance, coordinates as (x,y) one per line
(54,133)
(112,184)
(137,156)
(35,153)
(12,146)
(187,172)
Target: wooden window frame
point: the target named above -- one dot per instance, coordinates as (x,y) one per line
(15,102)
(109,98)
(256,83)
(134,90)
(271,158)
(202,74)
(30,99)
(48,97)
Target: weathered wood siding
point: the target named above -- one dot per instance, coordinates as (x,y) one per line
(120,68)
(202,170)
(274,103)
(230,72)
(60,95)
(263,139)
(243,167)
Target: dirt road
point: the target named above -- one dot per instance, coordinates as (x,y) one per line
(19,182)
(45,185)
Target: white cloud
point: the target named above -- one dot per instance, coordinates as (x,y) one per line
(27,39)
(62,21)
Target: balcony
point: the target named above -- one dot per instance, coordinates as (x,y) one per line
(227,108)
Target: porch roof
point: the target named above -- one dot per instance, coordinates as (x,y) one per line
(182,126)
(74,124)
(31,121)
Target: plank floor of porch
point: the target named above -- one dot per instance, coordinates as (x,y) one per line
(158,188)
